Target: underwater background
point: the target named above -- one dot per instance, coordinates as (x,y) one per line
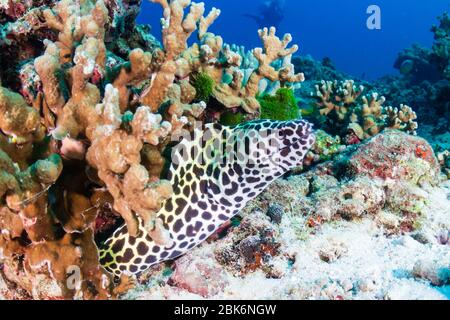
(327,28)
(118,118)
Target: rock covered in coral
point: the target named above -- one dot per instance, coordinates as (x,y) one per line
(395,156)
(202,277)
(385,171)
(253,246)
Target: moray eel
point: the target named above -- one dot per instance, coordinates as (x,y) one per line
(214,173)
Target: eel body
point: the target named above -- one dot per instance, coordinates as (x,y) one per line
(214,173)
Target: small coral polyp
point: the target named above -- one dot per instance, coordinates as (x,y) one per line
(86,120)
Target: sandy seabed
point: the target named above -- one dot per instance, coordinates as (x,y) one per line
(363,263)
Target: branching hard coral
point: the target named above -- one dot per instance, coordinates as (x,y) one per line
(73,21)
(274,49)
(136,71)
(210,56)
(237,94)
(341,108)
(67,259)
(334,97)
(47,67)
(371,115)
(89,57)
(402,118)
(78,60)
(116,154)
(176,30)
(25,194)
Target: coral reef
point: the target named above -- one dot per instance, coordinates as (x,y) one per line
(92,104)
(370,224)
(87,90)
(343,109)
(441,46)
(423,83)
(385,171)
(317,70)
(416,64)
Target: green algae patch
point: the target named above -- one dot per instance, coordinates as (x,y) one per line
(203,85)
(282,106)
(230,118)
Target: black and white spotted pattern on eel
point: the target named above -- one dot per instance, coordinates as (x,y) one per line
(214,174)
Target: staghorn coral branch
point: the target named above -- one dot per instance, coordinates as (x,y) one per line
(116,155)
(206,22)
(177,28)
(47,67)
(138,70)
(273,49)
(343,105)
(160,85)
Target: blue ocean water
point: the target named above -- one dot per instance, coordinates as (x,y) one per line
(329,28)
